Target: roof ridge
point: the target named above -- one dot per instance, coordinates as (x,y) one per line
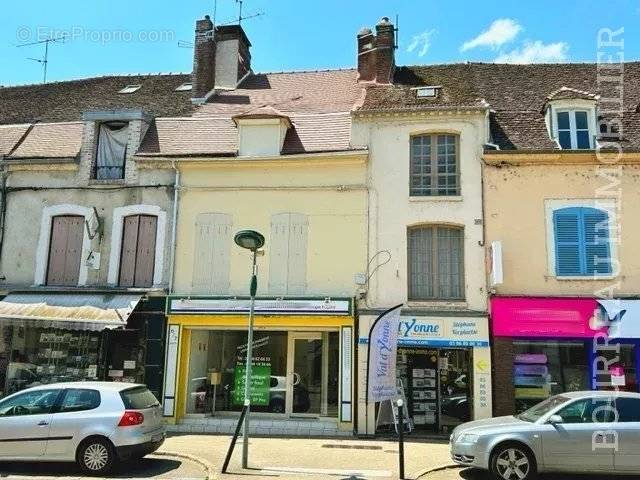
(96,77)
(319,70)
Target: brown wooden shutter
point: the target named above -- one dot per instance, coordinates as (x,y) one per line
(137,257)
(65,250)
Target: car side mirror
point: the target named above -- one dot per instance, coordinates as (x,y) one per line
(555,419)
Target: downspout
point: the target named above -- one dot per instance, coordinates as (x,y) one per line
(174,225)
(3,207)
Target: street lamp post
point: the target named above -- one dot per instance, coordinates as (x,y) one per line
(251,240)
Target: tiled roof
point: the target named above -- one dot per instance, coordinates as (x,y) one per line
(317,103)
(514,93)
(50,140)
(218,136)
(10,135)
(66,101)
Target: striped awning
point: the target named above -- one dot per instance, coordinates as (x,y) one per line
(71,311)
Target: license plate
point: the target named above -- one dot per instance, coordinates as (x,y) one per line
(157,438)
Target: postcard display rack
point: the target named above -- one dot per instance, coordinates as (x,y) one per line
(67,356)
(422,389)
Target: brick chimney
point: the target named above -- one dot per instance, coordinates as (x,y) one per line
(376,53)
(204,59)
(221,58)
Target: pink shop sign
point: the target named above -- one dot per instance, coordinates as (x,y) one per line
(544,317)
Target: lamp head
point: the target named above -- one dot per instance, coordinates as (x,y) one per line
(249,239)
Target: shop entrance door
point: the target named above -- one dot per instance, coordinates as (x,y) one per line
(622,374)
(304,374)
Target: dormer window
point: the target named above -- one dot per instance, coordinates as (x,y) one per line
(573,130)
(427,92)
(185,87)
(111,151)
(261,132)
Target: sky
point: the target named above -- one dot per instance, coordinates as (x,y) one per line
(123,36)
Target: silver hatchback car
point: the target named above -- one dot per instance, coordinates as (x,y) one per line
(577,432)
(92,423)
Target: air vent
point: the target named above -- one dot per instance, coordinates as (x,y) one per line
(130,89)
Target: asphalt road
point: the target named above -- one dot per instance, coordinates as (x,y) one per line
(148,468)
(473,474)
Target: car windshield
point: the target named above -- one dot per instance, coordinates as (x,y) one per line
(541,409)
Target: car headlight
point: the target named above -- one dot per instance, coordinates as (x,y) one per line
(468,438)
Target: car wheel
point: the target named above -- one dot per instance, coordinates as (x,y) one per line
(96,456)
(513,462)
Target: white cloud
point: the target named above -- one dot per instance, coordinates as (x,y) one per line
(421,42)
(501,31)
(536,52)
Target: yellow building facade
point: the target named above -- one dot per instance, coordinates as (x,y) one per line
(312,211)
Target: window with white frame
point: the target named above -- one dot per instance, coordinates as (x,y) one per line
(574,132)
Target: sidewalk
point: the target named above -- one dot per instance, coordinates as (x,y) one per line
(314,458)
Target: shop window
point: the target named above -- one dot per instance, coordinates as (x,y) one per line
(581,236)
(435,166)
(212,246)
(137,258)
(111,151)
(543,369)
(303,367)
(65,250)
(31,356)
(288,254)
(436,268)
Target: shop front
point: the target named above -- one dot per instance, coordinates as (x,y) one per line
(61,337)
(443,372)
(546,346)
(301,365)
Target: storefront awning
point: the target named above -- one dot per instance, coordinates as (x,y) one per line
(75,311)
(624,316)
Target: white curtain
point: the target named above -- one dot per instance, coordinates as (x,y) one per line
(112,149)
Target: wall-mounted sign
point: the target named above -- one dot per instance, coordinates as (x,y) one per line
(495,263)
(442,332)
(263,306)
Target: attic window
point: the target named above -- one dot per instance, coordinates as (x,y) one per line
(427,92)
(185,87)
(111,151)
(130,89)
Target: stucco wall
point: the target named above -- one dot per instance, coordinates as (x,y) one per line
(392,210)
(33,188)
(516,215)
(330,192)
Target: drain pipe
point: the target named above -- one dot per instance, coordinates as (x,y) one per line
(174,224)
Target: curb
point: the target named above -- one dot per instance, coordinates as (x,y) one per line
(211,473)
(445,466)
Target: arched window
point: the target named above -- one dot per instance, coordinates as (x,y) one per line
(581,240)
(435,166)
(435,263)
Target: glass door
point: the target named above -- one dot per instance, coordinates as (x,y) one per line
(305,374)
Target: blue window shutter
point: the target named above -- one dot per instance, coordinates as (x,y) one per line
(569,261)
(596,241)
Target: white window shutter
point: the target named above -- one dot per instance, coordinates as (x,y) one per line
(212,246)
(279,254)
(298,234)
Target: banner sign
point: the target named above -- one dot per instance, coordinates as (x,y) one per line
(381,366)
(442,332)
(263,306)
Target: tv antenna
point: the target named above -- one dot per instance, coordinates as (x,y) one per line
(44,61)
(241,17)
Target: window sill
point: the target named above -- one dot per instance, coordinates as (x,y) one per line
(585,278)
(442,304)
(110,181)
(436,198)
